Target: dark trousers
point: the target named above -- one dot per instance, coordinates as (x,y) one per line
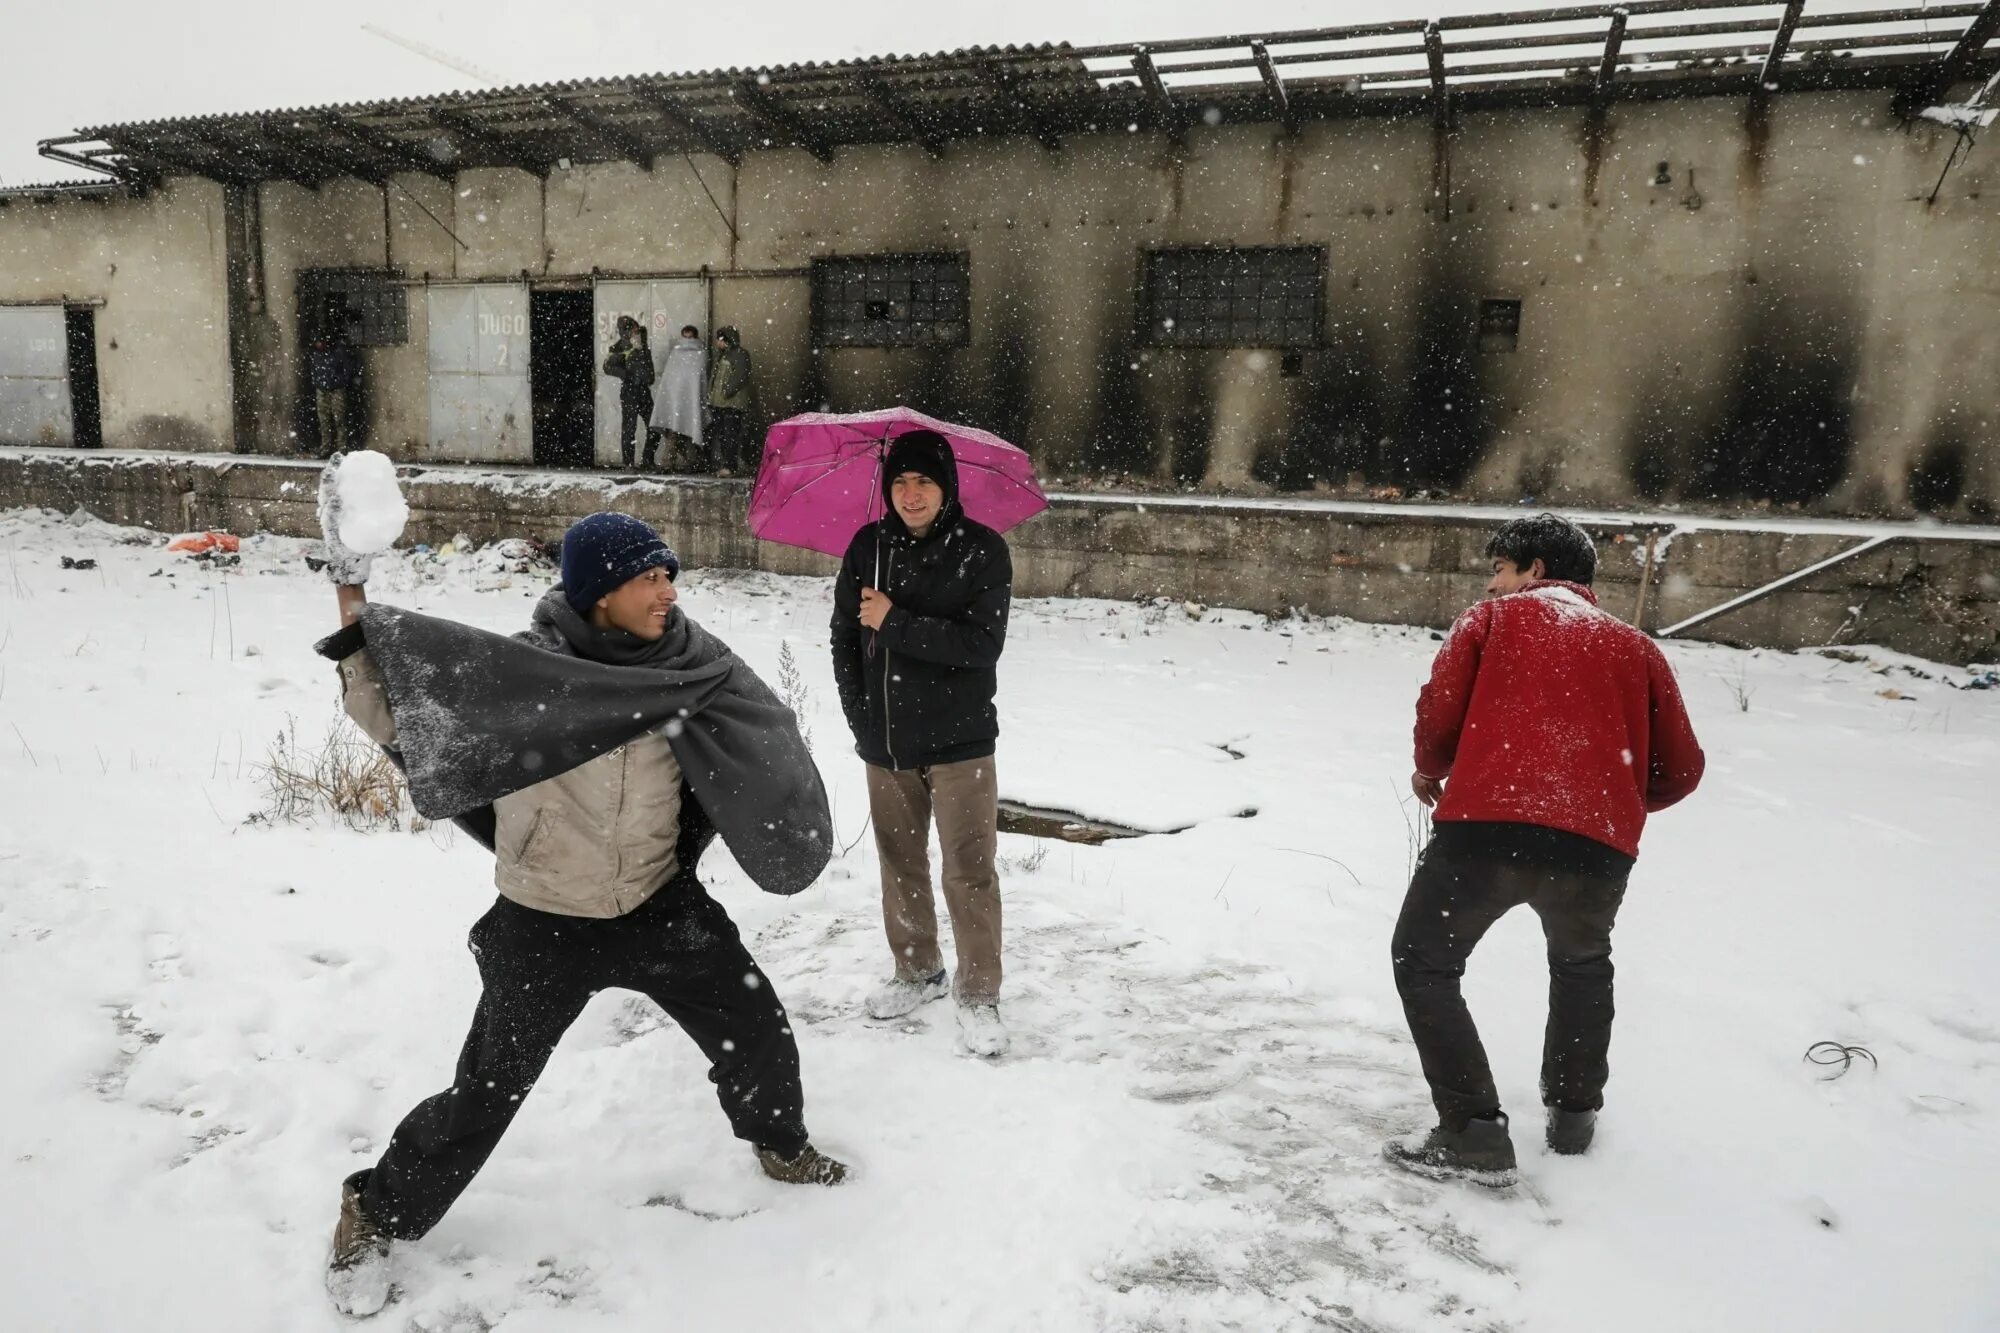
(1470,876)
(728,428)
(679,948)
(633,414)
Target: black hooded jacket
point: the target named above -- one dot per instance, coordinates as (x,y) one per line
(920,691)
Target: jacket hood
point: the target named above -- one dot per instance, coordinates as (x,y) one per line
(926,452)
(730,336)
(1582,590)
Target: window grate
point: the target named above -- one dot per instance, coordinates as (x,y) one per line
(1268,296)
(891,301)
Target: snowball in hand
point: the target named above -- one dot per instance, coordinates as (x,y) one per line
(372,511)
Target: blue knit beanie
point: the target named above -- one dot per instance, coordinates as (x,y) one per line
(604,551)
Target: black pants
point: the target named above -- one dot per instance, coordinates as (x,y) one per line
(726,435)
(1470,876)
(540,969)
(633,414)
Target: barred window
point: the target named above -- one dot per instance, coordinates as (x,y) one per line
(369,308)
(891,301)
(1267,296)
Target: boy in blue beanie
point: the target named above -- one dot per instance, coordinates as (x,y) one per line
(597,889)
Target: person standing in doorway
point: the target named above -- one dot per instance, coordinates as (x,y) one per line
(1547,733)
(630,361)
(335,369)
(730,400)
(919,619)
(677,403)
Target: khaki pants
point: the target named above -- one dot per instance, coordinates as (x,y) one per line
(965,800)
(332,405)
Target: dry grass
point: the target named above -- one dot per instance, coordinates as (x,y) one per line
(347,776)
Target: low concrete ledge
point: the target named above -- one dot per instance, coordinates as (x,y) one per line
(1934,592)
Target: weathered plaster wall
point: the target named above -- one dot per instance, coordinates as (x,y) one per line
(1780,317)
(157,263)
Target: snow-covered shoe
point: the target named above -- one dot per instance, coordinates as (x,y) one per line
(1482,1152)
(810,1167)
(357,1273)
(899,997)
(1569,1132)
(980,1031)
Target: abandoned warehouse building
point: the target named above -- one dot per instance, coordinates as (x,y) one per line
(1678,251)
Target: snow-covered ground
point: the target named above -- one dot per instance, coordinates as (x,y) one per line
(208,1022)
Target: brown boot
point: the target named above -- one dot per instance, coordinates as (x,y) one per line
(357,1272)
(810,1167)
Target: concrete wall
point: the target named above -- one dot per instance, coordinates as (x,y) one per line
(1929,596)
(157,264)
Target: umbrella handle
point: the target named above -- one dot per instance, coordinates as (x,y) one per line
(881,460)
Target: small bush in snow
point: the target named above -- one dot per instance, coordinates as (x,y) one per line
(346,776)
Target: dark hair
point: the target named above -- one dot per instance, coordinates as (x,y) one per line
(1565,550)
(687,329)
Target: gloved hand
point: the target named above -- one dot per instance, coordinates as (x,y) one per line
(344,568)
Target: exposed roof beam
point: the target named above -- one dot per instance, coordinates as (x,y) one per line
(1023,114)
(1957,62)
(406,155)
(256,162)
(877,94)
(143,152)
(775,113)
(688,123)
(611,136)
(1163,102)
(339,157)
(1774,60)
(1434,60)
(1274,87)
(464,131)
(1607,69)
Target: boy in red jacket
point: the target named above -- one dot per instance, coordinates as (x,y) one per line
(1548,731)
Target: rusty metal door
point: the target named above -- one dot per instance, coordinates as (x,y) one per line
(481,406)
(662,306)
(34,376)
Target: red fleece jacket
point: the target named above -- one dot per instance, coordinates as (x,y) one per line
(1543,709)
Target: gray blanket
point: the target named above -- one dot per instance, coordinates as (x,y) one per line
(479,715)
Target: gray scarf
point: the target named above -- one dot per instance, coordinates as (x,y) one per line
(479,716)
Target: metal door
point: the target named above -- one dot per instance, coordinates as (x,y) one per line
(662,306)
(481,407)
(34,376)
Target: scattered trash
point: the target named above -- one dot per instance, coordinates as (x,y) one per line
(1838,1057)
(1984,680)
(194,543)
(85,563)
(1896,695)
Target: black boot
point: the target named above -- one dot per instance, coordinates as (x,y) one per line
(1570,1132)
(1482,1152)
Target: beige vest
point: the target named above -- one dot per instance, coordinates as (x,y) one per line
(596,841)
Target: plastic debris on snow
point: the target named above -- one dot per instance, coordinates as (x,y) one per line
(197,543)
(372,508)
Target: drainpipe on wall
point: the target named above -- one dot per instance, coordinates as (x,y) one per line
(243,277)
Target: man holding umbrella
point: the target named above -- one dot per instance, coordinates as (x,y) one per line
(919,619)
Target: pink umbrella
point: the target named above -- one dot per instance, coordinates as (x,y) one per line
(821,479)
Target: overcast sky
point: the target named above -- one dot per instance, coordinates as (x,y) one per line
(66,64)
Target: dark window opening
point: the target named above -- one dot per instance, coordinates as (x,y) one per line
(367,309)
(1269,296)
(80,333)
(891,301)
(561,377)
(1499,326)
